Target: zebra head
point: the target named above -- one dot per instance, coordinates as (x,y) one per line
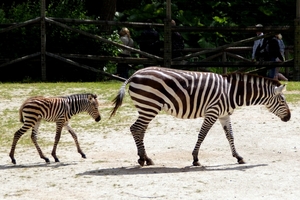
(92,109)
(277,104)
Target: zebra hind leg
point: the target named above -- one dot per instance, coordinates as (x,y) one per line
(16,138)
(138,136)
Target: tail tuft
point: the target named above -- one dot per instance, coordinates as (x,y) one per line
(118,100)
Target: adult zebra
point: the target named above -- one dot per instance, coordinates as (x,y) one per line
(189,95)
(54,109)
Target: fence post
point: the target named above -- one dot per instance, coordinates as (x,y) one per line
(224,59)
(167,36)
(296,76)
(43,40)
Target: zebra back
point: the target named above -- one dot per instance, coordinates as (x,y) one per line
(50,107)
(189,94)
(21,119)
(179,92)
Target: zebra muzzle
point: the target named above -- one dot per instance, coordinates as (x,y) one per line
(98,118)
(286,118)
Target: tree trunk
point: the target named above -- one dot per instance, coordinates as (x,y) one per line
(103,9)
(107,9)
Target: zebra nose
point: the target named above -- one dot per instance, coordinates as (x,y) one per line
(98,118)
(286,118)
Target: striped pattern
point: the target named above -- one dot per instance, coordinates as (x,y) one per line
(188,95)
(54,109)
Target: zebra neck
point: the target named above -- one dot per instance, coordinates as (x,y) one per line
(246,90)
(76,106)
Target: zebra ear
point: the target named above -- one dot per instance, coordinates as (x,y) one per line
(90,97)
(280,89)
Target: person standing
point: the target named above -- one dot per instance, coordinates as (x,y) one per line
(256,55)
(274,55)
(149,40)
(281,45)
(123,68)
(281,49)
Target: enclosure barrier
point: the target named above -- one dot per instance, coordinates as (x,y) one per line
(167,61)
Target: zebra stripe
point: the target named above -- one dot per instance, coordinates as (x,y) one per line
(189,95)
(54,109)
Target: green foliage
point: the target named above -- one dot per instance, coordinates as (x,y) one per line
(23,12)
(23,41)
(110,67)
(215,13)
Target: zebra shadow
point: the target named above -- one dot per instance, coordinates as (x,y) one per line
(134,170)
(36,165)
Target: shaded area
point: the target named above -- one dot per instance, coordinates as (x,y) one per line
(165,170)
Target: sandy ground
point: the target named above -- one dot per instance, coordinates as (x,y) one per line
(110,171)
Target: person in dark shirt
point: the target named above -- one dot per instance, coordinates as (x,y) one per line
(272,53)
(149,41)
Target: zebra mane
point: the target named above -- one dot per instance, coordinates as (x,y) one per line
(65,97)
(81,95)
(238,76)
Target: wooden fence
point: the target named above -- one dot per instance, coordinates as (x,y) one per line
(190,58)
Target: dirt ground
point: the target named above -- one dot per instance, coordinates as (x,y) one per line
(269,146)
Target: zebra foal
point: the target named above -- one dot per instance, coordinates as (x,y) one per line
(54,109)
(189,95)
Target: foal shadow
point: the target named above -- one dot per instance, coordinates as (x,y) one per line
(36,165)
(134,170)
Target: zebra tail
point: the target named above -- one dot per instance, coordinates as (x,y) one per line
(118,100)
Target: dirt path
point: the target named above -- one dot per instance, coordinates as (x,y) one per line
(270,148)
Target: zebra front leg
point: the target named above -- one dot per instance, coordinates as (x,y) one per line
(207,124)
(71,131)
(138,136)
(226,124)
(59,126)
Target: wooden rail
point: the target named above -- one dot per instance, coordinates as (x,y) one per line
(224,52)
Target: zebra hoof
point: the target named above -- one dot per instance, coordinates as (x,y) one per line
(141,162)
(83,155)
(13,161)
(56,159)
(149,162)
(47,160)
(241,161)
(196,163)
